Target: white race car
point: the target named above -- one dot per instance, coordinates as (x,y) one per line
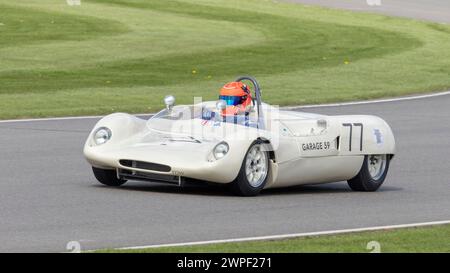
(265,147)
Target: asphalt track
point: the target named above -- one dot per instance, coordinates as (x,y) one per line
(49,197)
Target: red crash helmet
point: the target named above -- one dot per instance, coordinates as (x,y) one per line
(237,96)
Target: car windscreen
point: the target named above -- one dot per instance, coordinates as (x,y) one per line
(183,118)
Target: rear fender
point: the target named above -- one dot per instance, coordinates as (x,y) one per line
(363,135)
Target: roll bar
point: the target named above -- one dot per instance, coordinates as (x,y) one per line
(257,97)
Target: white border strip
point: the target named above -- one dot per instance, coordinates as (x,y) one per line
(285,107)
(288,236)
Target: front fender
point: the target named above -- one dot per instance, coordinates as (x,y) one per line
(239,145)
(122,126)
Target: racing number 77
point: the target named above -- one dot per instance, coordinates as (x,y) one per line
(350,125)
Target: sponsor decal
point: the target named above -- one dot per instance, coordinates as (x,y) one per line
(177,172)
(378,137)
(315,146)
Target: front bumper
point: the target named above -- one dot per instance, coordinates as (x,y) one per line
(183,161)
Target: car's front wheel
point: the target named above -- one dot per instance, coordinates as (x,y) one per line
(372,174)
(254,171)
(108,177)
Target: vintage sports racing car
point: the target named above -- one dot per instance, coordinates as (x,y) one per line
(243,142)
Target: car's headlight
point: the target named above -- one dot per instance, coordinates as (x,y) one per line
(221,150)
(102,135)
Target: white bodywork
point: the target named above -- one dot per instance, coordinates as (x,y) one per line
(304,148)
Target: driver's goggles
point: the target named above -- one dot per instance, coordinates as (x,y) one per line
(231,100)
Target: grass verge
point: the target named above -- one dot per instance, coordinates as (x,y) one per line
(117,55)
(414,240)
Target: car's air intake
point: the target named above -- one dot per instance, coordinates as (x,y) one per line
(145,165)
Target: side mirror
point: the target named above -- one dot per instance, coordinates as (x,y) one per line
(221,105)
(169,101)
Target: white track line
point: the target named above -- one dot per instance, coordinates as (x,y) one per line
(61,118)
(371,101)
(293,235)
(285,108)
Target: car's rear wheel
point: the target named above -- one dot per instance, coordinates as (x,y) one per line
(108,177)
(254,171)
(372,174)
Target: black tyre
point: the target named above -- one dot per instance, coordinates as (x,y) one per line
(372,174)
(254,171)
(107,177)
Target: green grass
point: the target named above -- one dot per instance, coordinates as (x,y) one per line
(424,239)
(24,26)
(125,55)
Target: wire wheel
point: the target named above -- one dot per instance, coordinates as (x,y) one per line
(376,165)
(256,166)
